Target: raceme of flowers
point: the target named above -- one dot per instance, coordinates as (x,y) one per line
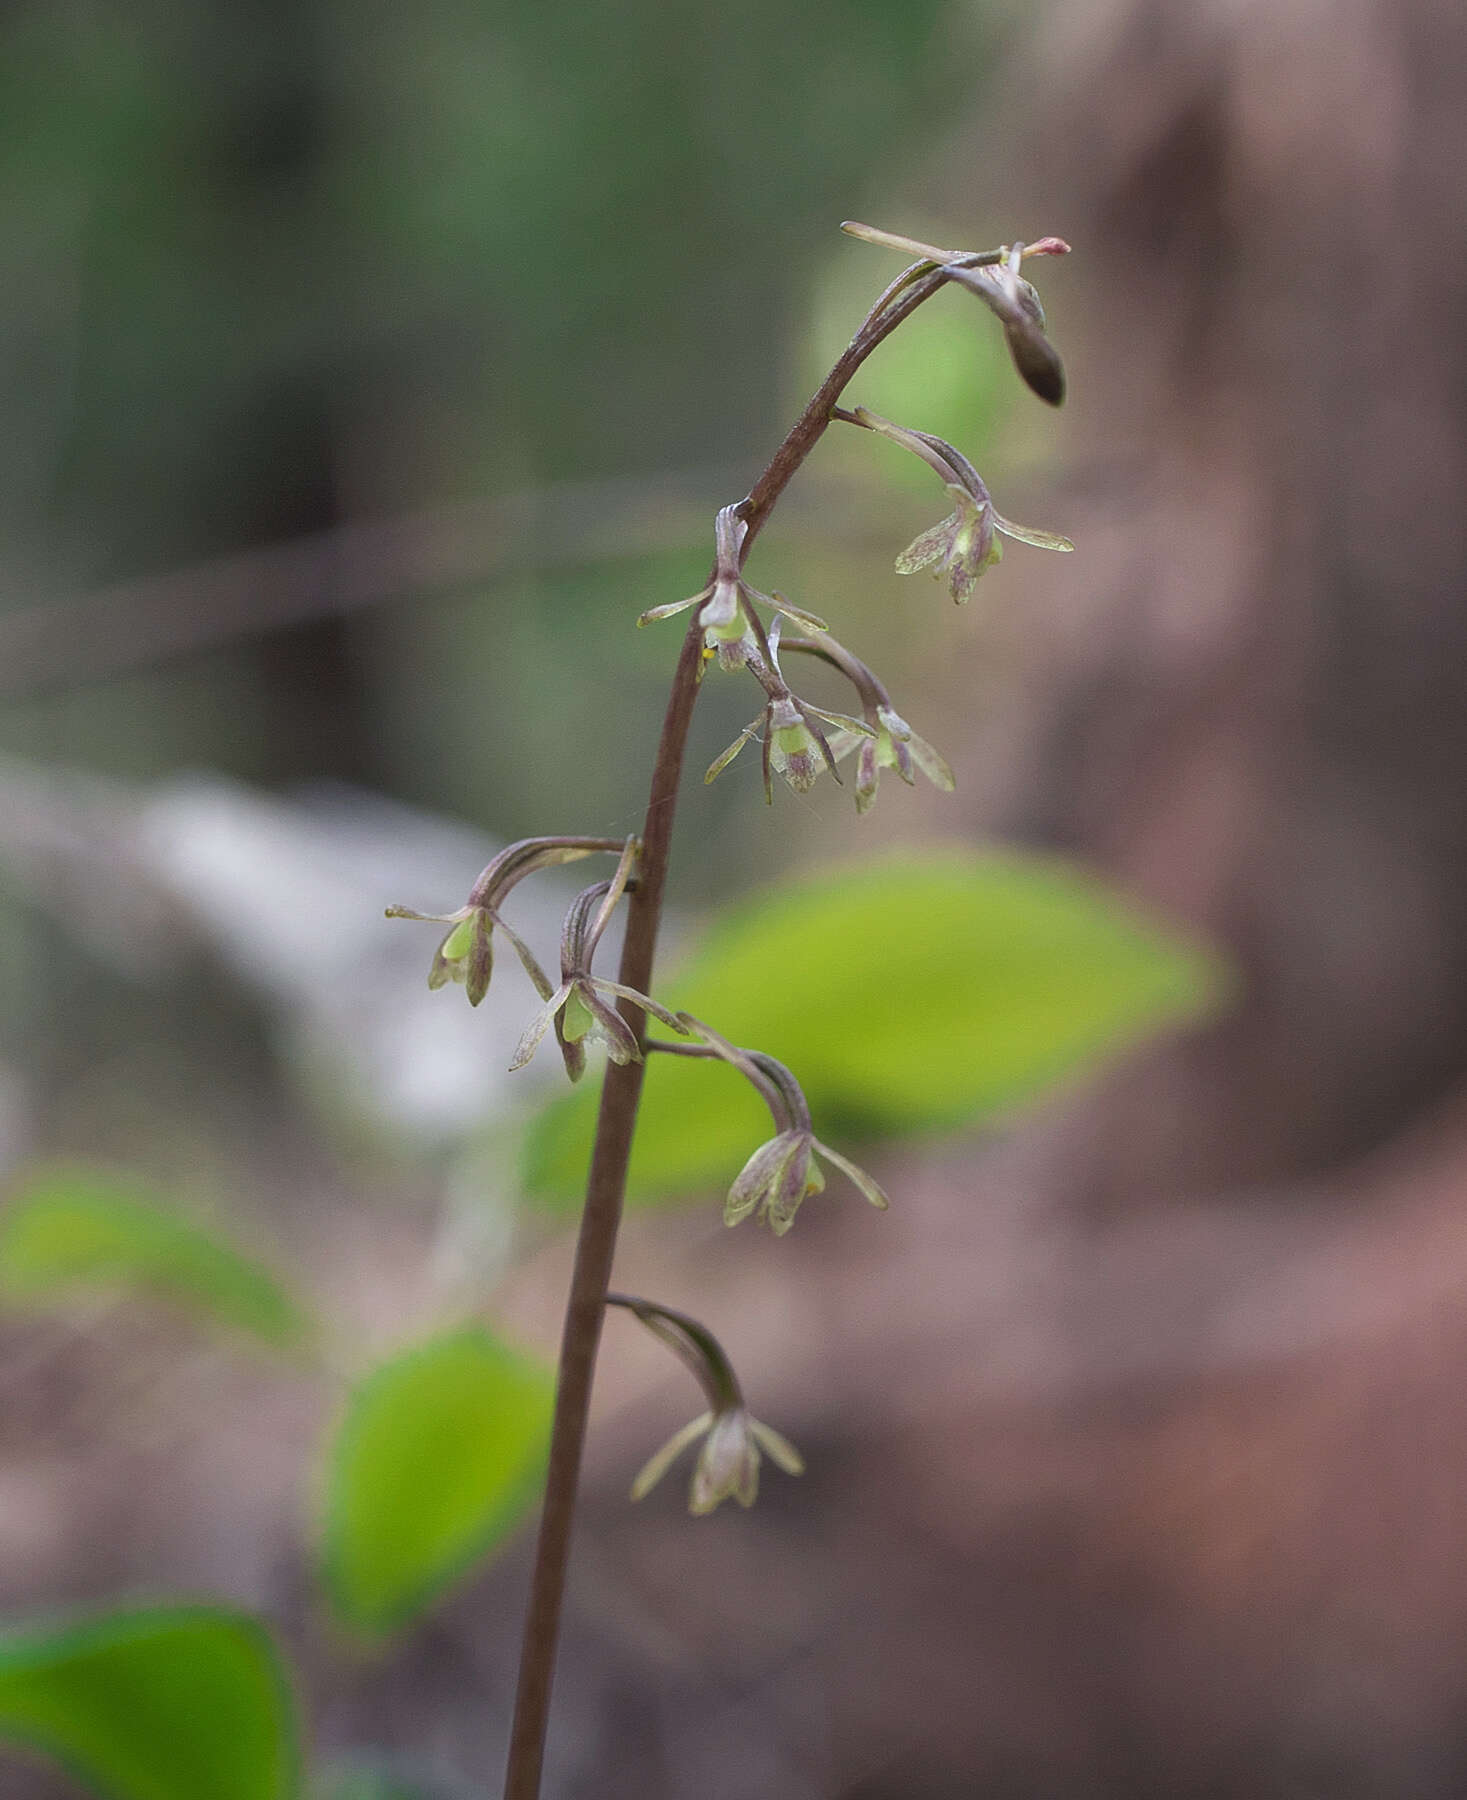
(799,742)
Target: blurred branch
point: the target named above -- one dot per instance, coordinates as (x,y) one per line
(139,623)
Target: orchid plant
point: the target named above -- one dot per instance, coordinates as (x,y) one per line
(799,742)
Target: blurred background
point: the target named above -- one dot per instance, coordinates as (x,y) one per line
(365,371)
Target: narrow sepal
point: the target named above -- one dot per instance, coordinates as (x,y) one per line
(856,1175)
(780,1451)
(535,1031)
(927,547)
(657,1465)
(673,607)
(797,614)
(720,763)
(1028,534)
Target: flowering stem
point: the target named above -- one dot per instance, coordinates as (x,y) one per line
(622,1088)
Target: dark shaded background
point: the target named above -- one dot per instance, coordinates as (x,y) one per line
(1136,1442)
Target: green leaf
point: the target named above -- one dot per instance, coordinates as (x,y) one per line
(66,1230)
(439,1456)
(155,1703)
(913,994)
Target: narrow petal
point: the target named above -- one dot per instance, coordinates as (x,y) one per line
(611,1028)
(933,766)
(406,912)
(927,547)
(800,1176)
(527,957)
(891,240)
(842,743)
(758,1175)
(842,721)
(657,1466)
(810,621)
(653,613)
(625,864)
(867,776)
(719,764)
(539,1025)
(480,962)
(647,1004)
(728,1465)
(780,1451)
(572,1050)
(857,1176)
(1027,534)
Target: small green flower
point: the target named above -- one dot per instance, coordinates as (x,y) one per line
(579,1008)
(965,543)
(727,630)
(728,1464)
(783,1172)
(895,746)
(465,954)
(794,745)
(888,741)
(579,1011)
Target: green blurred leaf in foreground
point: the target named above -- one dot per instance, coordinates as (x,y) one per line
(155,1703)
(65,1230)
(912,994)
(437,1460)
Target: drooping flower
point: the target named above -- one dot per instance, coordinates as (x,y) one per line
(795,747)
(579,1008)
(895,746)
(727,629)
(465,954)
(728,1465)
(965,543)
(783,1172)
(889,741)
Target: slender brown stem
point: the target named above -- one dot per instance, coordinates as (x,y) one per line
(622,1089)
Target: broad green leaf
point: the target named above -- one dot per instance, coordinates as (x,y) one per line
(438,1458)
(155,1703)
(66,1229)
(914,994)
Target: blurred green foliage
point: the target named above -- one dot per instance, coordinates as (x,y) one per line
(155,1703)
(66,1230)
(438,1458)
